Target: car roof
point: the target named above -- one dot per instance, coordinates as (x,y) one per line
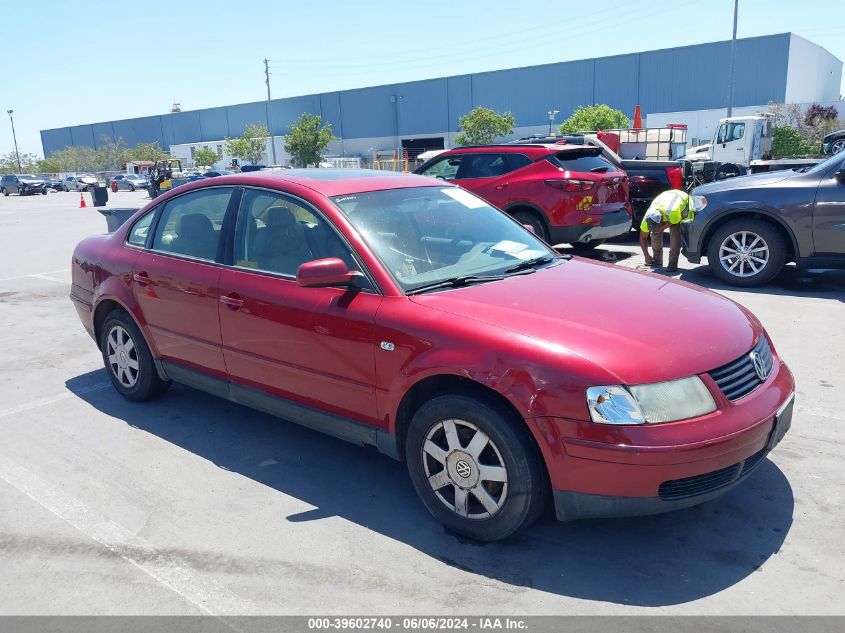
(329,182)
(536,150)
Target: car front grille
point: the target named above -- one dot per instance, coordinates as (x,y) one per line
(739,378)
(676,489)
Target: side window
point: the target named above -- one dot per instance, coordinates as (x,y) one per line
(483,166)
(138,233)
(721,137)
(445,168)
(191,224)
(277,233)
(737,131)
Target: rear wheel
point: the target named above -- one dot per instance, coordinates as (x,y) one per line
(131,187)
(128,360)
(838,146)
(5,193)
(475,467)
(746,252)
(530,218)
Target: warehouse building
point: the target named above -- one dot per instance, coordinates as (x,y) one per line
(679,85)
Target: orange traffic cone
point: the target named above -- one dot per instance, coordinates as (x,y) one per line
(82,204)
(638,118)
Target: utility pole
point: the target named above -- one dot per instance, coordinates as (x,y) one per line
(270,111)
(15,138)
(733,63)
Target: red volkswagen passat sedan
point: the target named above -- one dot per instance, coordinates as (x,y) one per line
(401,312)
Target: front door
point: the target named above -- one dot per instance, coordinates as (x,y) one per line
(730,143)
(312,345)
(176,281)
(829,212)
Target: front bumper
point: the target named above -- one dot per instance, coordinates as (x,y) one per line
(613,224)
(604,471)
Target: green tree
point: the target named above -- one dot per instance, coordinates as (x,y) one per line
(481,126)
(77,158)
(147,151)
(251,146)
(787,141)
(9,163)
(307,139)
(48,166)
(205,157)
(112,154)
(592,118)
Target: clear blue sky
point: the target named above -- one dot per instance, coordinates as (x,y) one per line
(214,50)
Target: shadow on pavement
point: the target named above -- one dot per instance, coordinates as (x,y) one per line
(650,561)
(791,282)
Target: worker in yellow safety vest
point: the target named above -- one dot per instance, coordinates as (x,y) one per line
(667,210)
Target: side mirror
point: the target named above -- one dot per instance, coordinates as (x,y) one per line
(840,175)
(331,271)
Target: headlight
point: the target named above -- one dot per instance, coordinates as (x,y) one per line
(650,404)
(699,202)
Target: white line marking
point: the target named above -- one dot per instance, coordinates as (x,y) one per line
(49,278)
(206,595)
(46,272)
(43,402)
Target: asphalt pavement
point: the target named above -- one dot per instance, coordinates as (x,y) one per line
(194,505)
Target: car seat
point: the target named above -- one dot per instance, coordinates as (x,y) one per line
(195,236)
(281,245)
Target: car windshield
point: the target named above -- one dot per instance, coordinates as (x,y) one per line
(427,235)
(823,166)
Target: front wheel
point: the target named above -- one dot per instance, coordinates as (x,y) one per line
(128,360)
(5,193)
(838,146)
(532,220)
(746,252)
(131,187)
(475,467)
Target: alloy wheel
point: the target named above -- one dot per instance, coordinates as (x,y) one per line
(743,254)
(465,469)
(122,356)
(838,146)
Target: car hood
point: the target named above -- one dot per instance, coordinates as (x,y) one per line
(640,327)
(745,182)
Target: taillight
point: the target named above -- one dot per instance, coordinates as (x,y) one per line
(570,184)
(676,177)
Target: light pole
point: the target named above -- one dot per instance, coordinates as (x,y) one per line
(270,110)
(15,138)
(552,114)
(733,63)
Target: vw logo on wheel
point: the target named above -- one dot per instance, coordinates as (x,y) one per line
(463,469)
(759,365)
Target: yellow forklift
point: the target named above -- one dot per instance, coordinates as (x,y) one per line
(162,174)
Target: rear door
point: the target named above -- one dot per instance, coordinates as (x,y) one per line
(488,175)
(829,213)
(176,281)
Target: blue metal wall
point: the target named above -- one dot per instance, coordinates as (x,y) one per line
(686,78)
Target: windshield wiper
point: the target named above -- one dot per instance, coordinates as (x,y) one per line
(530,263)
(454,282)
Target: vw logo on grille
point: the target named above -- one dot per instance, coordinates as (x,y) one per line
(463,469)
(759,365)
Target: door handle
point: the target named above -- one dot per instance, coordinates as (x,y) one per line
(142,278)
(233,301)
(501,185)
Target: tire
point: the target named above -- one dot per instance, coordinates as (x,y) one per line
(837,146)
(530,218)
(760,238)
(508,452)
(43,192)
(728,170)
(121,339)
(5,193)
(131,187)
(585,246)
(64,187)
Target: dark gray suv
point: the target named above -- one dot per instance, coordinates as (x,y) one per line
(749,227)
(22,184)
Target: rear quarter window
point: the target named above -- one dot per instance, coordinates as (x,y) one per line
(581,163)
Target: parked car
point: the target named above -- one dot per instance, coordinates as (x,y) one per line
(22,184)
(129,182)
(78,183)
(565,193)
(749,227)
(834,142)
(52,183)
(402,312)
(646,178)
(217,172)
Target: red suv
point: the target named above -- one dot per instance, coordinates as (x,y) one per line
(565,193)
(408,314)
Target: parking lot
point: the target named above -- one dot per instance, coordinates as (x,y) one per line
(192,504)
